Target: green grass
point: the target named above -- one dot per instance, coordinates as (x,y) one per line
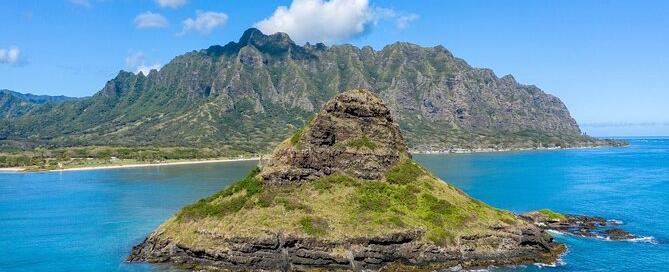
(232,199)
(404,173)
(341,207)
(314,226)
(362,142)
(552,215)
(295,138)
(326,183)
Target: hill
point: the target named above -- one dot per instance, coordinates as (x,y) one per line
(343,193)
(250,94)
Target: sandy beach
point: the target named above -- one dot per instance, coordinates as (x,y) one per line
(20,169)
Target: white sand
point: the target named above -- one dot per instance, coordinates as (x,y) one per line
(18,169)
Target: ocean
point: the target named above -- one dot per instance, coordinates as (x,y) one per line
(89,220)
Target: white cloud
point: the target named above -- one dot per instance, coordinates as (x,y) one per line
(150,20)
(171,3)
(144,69)
(319,21)
(10,55)
(83,3)
(137,61)
(204,22)
(329,20)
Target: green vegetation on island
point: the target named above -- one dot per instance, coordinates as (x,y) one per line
(344,194)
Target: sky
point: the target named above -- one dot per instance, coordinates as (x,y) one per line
(607,60)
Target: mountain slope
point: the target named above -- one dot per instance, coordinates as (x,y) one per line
(14,104)
(248,95)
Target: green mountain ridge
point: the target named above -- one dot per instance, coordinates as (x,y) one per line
(14,104)
(248,95)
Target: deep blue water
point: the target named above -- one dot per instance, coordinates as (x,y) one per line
(89,220)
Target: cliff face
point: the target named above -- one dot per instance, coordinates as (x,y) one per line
(326,200)
(251,94)
(353,134)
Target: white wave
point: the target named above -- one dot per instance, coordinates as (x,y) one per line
(615,221)
(555,232)
(644,239)
(542,265)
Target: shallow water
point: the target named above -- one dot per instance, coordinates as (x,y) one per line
(89,220)
(629,184)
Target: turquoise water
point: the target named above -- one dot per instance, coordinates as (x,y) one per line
(89,220)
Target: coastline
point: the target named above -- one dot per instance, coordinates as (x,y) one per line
(496,150)
(136,165)
(186,162)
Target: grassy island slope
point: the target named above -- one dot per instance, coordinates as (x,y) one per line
(336,196)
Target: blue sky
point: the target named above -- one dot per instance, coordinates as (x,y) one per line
(607,60)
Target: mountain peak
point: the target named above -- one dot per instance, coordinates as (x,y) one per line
(354,134)
(255,37)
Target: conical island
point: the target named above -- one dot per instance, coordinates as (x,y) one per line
(344,193)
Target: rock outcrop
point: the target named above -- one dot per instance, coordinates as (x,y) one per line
(354,134)
(344,194)
(579,225)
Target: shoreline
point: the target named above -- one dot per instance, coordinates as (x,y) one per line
(186,162)
(135,165)
(499,150)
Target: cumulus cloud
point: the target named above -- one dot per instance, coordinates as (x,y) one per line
(319,21)
(137,61)
(150,20)
(329,21)
(10,55)
(171,3)
(204,22)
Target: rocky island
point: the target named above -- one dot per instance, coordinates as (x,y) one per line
(344,193)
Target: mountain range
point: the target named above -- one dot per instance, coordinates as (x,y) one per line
(250,94)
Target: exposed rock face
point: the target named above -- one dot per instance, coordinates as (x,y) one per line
(354,134)
(401,251)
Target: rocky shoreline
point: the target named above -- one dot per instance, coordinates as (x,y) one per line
(579,225)
(403,251)
(393,252)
